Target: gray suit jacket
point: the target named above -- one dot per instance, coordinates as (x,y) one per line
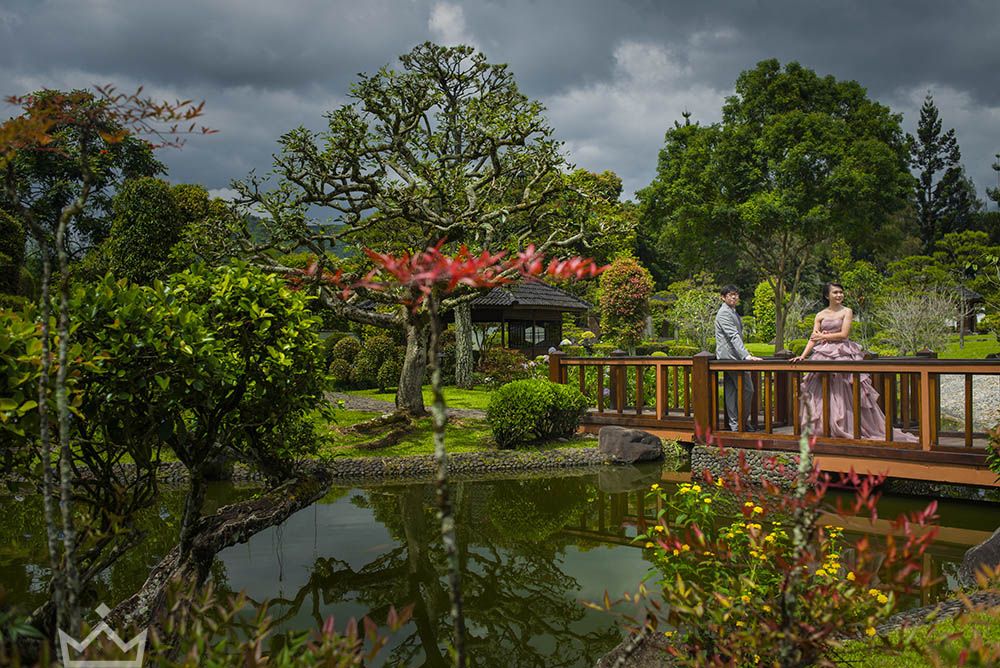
(729,335)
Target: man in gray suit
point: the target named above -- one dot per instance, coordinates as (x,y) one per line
(729,346)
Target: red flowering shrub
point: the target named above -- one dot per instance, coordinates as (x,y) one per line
(625,290)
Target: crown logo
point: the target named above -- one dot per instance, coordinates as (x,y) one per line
(137,646)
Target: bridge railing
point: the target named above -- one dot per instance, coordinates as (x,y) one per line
(686,393)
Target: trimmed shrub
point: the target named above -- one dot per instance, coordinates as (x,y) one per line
(329,345)
(374,353)
(346,348)
(575,351)
(682,350)
(568,408)
(649,347)
(534,409)
(797,345)
(388,373)
(340,372)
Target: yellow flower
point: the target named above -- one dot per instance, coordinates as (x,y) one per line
(873,592)
(756,658)
(758,509)
(766,608)
(770,538)
(850,576)
(655,486)
(882,598)
(870,631)
(719,482)
(745,598)
(753,553)
(648,544)
(696,488)
(740,625)
(820,572)
(763,557)
(685,547)
(748,504)
(676,552)
(659,527)
(668,634)
(730,536)
(707,499)
(707,553)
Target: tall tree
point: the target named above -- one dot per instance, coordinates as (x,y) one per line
(945,197)
(446,146)
(994,193)
(802,160)
(63,150)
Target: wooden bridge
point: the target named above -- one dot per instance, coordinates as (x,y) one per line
(680,398)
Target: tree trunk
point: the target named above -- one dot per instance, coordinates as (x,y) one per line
(231,525)
(779,316)
(409,394)
(192,511)
(463,345)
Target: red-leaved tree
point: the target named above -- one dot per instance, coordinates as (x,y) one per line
(422,280)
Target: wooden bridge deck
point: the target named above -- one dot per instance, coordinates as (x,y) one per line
(681,398)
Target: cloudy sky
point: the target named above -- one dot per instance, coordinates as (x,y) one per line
(614,74)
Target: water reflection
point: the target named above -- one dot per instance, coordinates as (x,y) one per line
(531,551)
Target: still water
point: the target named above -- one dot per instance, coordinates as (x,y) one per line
(532,551)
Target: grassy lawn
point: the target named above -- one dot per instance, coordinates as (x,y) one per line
(453,396)
(977,346)
(463,435)
(871,654)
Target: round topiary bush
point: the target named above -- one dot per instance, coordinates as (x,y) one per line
(388,373)
(534,409)
(567,410)
(340,372)
(346,348)
(374,353)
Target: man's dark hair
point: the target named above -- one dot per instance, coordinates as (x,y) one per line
(726,289)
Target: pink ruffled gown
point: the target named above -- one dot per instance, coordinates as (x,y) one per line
(842,394)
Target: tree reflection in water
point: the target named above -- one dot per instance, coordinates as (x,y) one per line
(521,607)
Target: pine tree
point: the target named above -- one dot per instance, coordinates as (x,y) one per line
(945,203)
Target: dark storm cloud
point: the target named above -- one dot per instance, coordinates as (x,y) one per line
(614,75)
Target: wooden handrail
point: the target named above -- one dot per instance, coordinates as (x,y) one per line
(687,395)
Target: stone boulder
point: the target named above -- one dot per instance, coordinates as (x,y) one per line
(628,446)
(986,553)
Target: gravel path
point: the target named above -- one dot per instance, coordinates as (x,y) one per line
(360,403)
(985,399)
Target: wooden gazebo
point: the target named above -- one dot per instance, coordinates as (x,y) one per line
(529,315)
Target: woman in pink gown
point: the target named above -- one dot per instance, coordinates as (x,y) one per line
(830,342)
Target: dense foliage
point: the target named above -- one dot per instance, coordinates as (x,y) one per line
(625,290)
(534,409)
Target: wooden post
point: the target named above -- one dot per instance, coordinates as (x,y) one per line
(701,388)
(661,390)
(926,419)
(555,372)
(618,376)
(783,390)
(933,388)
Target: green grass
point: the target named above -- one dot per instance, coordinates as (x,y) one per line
(454,397)
(463,435)
(760,349)
(977,346)
(872,654)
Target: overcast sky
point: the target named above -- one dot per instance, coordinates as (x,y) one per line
(613,74)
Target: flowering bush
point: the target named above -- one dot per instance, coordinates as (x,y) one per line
(500,366)
(625,290)
(750,576)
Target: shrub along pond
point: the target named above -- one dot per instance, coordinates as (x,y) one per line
(533,549)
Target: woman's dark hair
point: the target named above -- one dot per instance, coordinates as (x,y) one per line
(826,290)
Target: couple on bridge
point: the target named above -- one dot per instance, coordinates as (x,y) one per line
(828,342)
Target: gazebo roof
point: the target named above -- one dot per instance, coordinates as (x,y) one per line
(533,294)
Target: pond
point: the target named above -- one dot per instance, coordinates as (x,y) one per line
(533,550)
